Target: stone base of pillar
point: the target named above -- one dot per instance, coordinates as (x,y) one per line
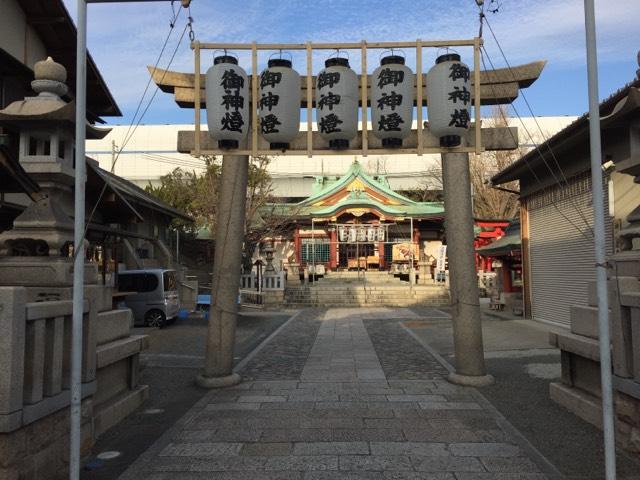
(471,380)
(218,382)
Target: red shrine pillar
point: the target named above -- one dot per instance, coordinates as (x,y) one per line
(506,277)
(297,246)
(333,246)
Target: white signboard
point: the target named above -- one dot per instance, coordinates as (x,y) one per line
(442,258)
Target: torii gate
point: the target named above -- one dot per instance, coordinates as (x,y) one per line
(493,87)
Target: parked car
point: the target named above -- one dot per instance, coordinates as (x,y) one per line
(154,300)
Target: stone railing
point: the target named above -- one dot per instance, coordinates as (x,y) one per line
(248,281)
(270,281)
(274,281)
(271,292)
(35,357)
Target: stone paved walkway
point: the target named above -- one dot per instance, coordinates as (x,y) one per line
(340,416)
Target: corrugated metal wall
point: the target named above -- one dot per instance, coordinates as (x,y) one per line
(561,258)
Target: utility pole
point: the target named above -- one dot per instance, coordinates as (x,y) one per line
(78,232)
(608,424)
(114,151)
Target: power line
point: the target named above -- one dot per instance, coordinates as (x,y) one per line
(132,129)
(535,175)
(483,18)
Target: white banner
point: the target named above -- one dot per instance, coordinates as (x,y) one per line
(442,258)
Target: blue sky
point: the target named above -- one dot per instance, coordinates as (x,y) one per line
(125,38)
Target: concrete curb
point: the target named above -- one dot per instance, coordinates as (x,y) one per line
(538,458)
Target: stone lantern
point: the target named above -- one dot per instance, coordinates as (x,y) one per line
(269,251)
(39,248)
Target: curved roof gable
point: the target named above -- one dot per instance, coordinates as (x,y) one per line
(356,190)
(353,181)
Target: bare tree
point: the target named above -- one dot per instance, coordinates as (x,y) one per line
(488,202)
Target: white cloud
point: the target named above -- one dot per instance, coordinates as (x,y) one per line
(125,38)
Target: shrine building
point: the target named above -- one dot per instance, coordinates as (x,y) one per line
(357,221)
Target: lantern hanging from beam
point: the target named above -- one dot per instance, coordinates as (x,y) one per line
(279,103)
(227,94)
(449,99)
(337,103)
(392,97)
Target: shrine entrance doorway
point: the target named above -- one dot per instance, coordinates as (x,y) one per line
(349,253)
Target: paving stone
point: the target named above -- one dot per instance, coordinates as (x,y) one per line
(416,398)
(221,435)
(253,399)
(267,449)
(440,434)
(378,462)
(408,448)
(418,476)
(296,435)
(484,450)
(500,476)
(342,422)
(252,475)
(343,476)
(233,406)
(509,464)
(212,464)
(302,463)
(331,448)
(449,405)
(367,434)
(200,449)
(447,464)
(341,395)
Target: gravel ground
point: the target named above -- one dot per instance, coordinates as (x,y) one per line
(284,357)
(400,355)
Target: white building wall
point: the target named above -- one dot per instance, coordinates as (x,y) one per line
(151,153)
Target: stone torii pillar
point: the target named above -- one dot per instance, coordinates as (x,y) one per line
(223,313)
(465,299)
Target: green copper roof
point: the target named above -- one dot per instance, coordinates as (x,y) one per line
(379,184)
(400,206)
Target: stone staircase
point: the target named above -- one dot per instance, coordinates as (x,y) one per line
(346,289)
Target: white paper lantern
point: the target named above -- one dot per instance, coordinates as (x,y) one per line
(392,97)
(337,103)
(381,234)
(362,234)
(279,103)
(449,99)
(227,94)
(371,234)
(343,234)
(352,234)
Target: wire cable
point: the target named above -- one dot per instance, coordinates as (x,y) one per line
(483,18)
(134,128)
(535,175)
